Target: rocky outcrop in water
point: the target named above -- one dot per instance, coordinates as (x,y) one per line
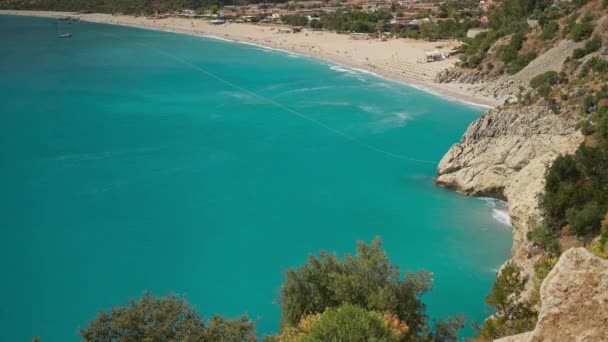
(574,300)
(505,154)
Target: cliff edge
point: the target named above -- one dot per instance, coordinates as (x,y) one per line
(574,300)
(505,154)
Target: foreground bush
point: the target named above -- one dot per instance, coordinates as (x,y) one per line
(513,316)
(368,281)
(169,318)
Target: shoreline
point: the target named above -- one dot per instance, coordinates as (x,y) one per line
(403,57)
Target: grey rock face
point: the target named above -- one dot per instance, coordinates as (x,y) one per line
(574,301)
(505,154)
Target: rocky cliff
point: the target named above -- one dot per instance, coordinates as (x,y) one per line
(505,154)
(574,300)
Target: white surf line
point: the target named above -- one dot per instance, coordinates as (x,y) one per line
(283,107)
(407,82)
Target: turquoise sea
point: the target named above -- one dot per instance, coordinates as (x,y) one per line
(136,160)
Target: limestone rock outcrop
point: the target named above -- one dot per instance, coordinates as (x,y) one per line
(505,154)
(574,299)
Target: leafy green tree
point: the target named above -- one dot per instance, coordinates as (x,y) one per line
(367,280)
(169,318)
(513,315)
(294,20)
(315,24)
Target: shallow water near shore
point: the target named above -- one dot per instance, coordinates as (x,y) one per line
(136,160)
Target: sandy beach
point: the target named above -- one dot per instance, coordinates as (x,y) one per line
(398,59)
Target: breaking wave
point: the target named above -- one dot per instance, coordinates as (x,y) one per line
(500,212)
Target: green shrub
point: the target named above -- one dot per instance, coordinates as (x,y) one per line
(543,237)
(569,25)
(170,318)
(602,123)
(350,323)
(328,282)
(560,189)
(520,62)
(366,280)
(547,78)
(579,53)
(508,53)
(604,234)
(581,31)
(473,61)
(544,82)
(549,30)
(541,270)
(587,220)
(586,127)
(595,64)
(588,102)
(591,45)
(513,316)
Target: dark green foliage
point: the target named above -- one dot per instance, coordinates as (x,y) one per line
(315,24)
(444,29)
(508,53)
(561,190)
(445,330)
(169,318)
(576,189)
(513,316)
(596,65)
(549,30)
(367,280)
(586,220)
(511,15)
(541,270)
(581,31)
(602,123)
(544,82)
(520,62)
(579,53)
(586,127)
(591,45)
(543,237)
(409,33)
(354,21)
(328,282)
(476,48)
(604,234)
(350,323)
(294,20)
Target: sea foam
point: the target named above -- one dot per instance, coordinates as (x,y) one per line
(500,212)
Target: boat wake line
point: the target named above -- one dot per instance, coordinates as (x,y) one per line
(283,107)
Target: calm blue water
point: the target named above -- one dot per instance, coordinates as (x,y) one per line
(125,166)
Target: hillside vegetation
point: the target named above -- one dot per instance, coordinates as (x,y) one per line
(575,201)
